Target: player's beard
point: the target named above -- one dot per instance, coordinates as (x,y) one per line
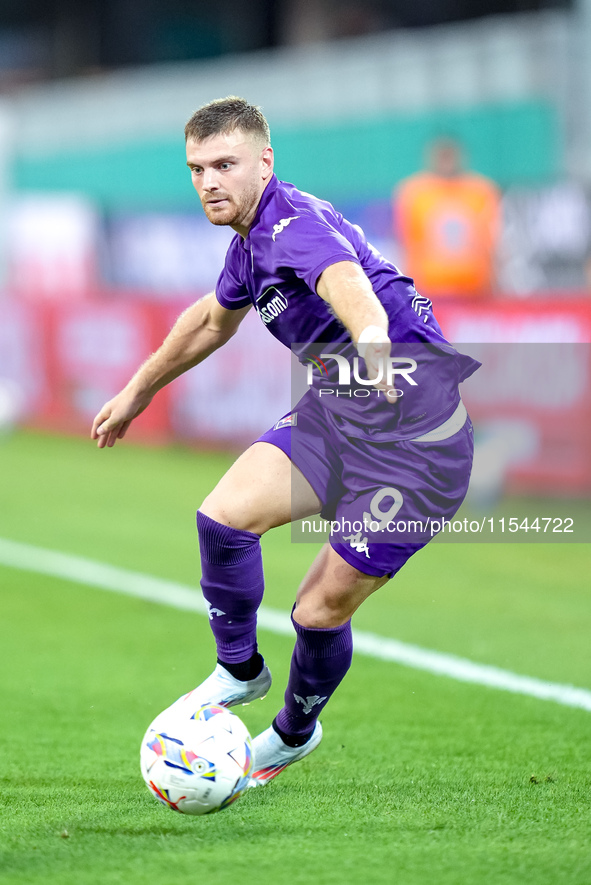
(236,211)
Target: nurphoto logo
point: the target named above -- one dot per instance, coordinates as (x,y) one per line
(388,370)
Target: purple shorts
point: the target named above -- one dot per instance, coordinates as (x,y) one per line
(384,501)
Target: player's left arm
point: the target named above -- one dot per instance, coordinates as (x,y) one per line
(346,287)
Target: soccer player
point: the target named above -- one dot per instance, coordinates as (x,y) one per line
(393,442)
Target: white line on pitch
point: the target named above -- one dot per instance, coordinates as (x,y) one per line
(108,577)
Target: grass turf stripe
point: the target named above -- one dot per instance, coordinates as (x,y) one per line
(106,577)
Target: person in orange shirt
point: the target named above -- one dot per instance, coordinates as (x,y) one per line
(447,221)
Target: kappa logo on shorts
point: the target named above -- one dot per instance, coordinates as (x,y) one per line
(358,543)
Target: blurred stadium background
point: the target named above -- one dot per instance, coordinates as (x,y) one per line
(102,240)
(421,778)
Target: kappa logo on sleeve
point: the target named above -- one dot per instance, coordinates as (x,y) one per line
(278,228)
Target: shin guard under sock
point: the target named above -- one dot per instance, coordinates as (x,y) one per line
(232,584)
(320,659)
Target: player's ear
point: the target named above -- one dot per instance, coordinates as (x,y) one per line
(267,160)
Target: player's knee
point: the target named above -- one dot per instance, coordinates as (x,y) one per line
(233,513)
(322,611)
(214,509)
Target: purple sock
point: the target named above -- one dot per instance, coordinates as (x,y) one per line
(232,583)
(319,662)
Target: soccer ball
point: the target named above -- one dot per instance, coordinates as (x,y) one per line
(197,765)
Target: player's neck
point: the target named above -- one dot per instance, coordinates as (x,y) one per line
(243,227)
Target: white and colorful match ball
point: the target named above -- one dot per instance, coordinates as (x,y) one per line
(198,765)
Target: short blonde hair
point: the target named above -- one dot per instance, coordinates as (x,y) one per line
(224,115)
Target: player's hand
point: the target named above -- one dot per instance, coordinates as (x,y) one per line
(376,356)
(113,420)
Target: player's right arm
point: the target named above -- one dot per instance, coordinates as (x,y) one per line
(200,330)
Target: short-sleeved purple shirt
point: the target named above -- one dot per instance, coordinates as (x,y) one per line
(293,239)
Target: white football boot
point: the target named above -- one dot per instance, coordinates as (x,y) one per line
(221,689)
(271,755)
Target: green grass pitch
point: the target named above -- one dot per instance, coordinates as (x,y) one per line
(419,779)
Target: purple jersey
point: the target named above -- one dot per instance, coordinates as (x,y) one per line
(293,239)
